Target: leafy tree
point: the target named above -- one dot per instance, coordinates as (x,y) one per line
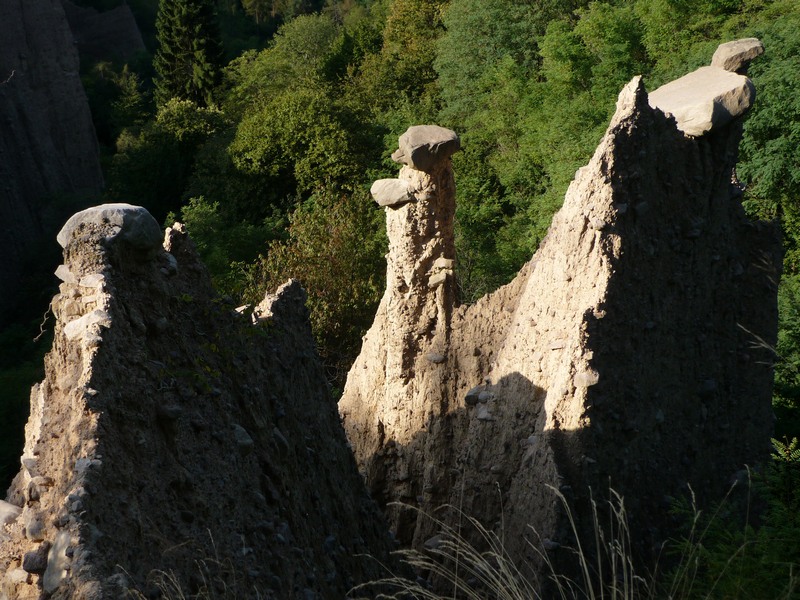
(770,149)
(259,9)
(786,401)
(287,9)
(226,243)
(152,167)
(478,36)
(187,62)
(336,248)
(303,134)
(116,99)
(296,59)
(402,72)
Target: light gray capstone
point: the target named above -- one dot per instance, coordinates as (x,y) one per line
(34,526)
(130,224)
(391,192)
(736,56)
(423,146)
(704,99)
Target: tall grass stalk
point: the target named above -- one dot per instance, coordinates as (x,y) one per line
(484,569)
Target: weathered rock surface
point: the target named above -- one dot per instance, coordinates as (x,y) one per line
(737,55)
(131,225)
(47,141)
(706,98)
(423,146)
(170,430)
(711,96)
(108,35)
(626,353)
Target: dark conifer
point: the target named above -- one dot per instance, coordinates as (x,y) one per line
(189,55)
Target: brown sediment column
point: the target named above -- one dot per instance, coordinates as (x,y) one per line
(401,382)
(420,208)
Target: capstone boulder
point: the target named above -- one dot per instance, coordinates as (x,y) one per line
(423,146)
(737,55)
(131,225)
(705,99)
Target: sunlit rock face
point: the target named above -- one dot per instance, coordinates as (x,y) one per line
(630,353)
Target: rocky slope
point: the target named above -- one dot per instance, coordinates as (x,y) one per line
(629,353)
(173,435)
(47,140)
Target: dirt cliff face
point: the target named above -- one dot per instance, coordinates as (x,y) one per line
(628,353)
(47,140)
(173,434)
(108,35)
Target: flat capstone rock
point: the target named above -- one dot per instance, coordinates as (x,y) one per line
(423,146)
(130,224)
(704,99)
(736,56)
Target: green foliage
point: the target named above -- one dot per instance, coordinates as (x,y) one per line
(612,35)
(116,99)
(306,135)
(222,240)
(786,400)
(296,60)
(723,556)
(187,62)
(152,167)
(286,9)
(770,150)
(402,72)
(335,248)
(479,35)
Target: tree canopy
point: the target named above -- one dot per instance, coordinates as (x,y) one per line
(188,59)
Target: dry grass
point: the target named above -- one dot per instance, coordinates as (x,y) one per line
(489,574)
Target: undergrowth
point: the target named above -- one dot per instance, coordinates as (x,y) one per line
(721,553)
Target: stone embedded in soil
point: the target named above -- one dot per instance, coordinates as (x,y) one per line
(473,396)
(35,561)
(391,192)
